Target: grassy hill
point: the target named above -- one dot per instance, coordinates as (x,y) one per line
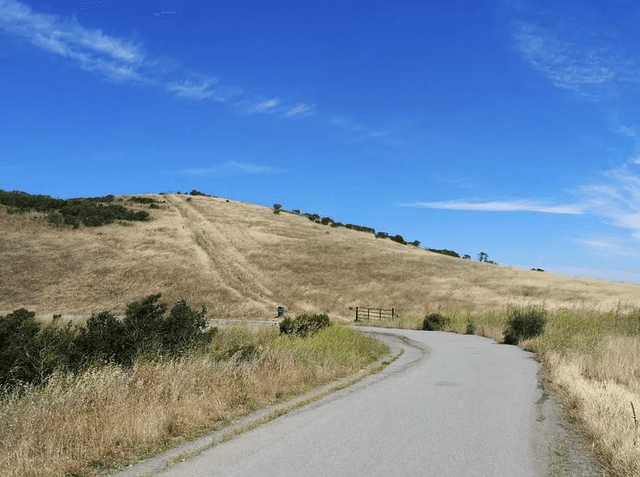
(242,260)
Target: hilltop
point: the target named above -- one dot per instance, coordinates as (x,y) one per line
(244,260)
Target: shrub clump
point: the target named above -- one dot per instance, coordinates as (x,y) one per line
(435,322)
(305,324)
(91,212)
(524,323)
(30,352)
(450,253)
(143,200)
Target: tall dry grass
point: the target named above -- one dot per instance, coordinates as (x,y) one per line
(602,393)
(107,416)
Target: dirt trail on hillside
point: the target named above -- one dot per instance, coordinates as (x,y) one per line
(221,257)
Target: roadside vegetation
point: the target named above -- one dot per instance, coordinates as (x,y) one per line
(590,359)
(83,399)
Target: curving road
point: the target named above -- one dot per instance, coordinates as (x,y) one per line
(450,405)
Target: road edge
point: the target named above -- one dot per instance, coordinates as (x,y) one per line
(258,418)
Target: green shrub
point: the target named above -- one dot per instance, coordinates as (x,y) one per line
(143,323)
(142,200)
(399,239)
(103,339)
(18,347)
(92,211)
(435,322)
(450,253)
(305,324)
(56,347)
(524,323)
(182,327)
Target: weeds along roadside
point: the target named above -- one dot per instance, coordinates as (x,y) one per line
(590,359)
(107,416)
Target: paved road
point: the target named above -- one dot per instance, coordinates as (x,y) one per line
(451,405)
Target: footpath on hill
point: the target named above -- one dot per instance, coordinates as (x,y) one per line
(449,405)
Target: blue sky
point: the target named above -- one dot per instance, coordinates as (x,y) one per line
(509,127)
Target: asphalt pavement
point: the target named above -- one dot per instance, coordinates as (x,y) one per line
(449,405)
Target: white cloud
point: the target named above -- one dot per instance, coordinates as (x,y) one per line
(616,200)
(499,206)
(92,49)
(568,65)
(202,89)
(231,168)
(252,168)
(612,246)
(267,106)
(122,60)
(298,110)
(191,90)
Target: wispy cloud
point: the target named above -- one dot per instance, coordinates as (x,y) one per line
(268,106)
(231,168)
(499,206)
(122,60)
(93,50)
(568,64)
(359,130)
(611,246)
(193,90)
(299,110)
(616,199)
(627,131)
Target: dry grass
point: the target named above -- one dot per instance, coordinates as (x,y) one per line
(107,417)
(241,260)
(603,394)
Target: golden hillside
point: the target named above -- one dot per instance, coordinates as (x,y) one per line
(242,260)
